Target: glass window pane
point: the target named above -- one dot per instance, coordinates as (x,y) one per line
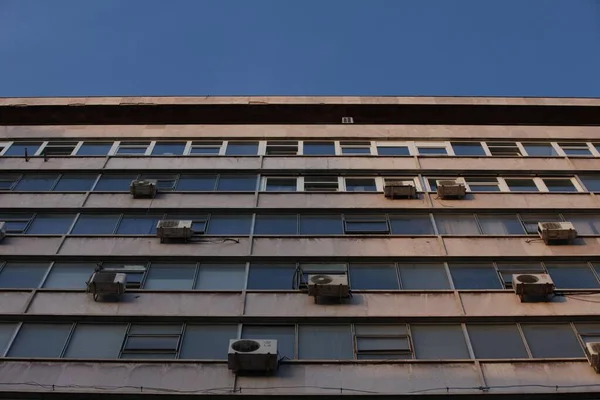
(276,224)
(158,343)
(236,183)
(439,342)
(18,149)
(284,334)
(50,224)
(411,225)
(373,277)
(393,151)
(138,224)
(379,344)
(196,183)
(280,185)
(69,275)
(496,341)
(75,183)
(271,276)
(552,341)
(158,329)
(221,277)
(94,149)
(540,150)
(138,148)
(170,276)
(560,185)
(168,148)
(6,332)
(242,149)
(432,150)
(506,224)
(457,224)
(325,342)
(22,274)
(360,185)
(468,149)
(521,185)
(572,275)
(40,340)
(207,341)
(321,225)
(319,148)
(96,341)
(114,183)
(88,224)
(366,224)
(475,276)
(422,276)
(36,182)
(229,225)
(586,224)
(356,150)
(591,182)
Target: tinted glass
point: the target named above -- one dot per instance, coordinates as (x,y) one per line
(40,340)
(540,150)
(197,183)
(507,224)
(69,275)
(423,276)
(521,185)
(319,148)
(321,225)
(96,224)
(552,341)
(325,342)
(432,150)
(114,183)
(411,225)
(50,224)
(18,149)
(439,342)
(276,224)
(560,185)
(166,149)
(468,149)
(592,183)
(281,185)
(106,340)
(221,277)
(393,151)
(366,225)
(34,182)
(271,276)
(94,149)
(132,148)
(170,276)
(229,225)
(207,341)
(22,275)
(284,334)
(360,185)
(496,341)
(138,224)
(577,152)
(243,183)
(373,277)
(75,183)
(242,149)
(356,150)
(457,224)
(475,276)
(572,275)
(6,332)
(585,224)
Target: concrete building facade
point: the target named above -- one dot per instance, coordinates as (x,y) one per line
(279,188)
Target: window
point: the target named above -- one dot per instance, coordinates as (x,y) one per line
(500,224)
(321,225)
(439,342)
(16,223)
(207,341)
(572,275)
(482,184)
(411,224)
(551,341)
(96,341)
(7,182)
(508,269)
(591,182)
(504,149)
(474,276)
(196,183)
(559,185)
(280,184)
(530,221)
(588,332)
(366,224)
(152,341)
(284,334)
(229,225)
(496,341)
(96,224)
(318,149)
(271,276)
(50,224)
(393,151)
(138,224)
(69,275)
(75,183)
(325,342)
(355,148)
(575,149)
(242,149)
(40,340)
(540,150)
(468,149)
(236,183)
(163,276)
(94,148)
(281,148)
(361,185)
(585,224)
(135,272)
(521,185)
(321,183)
(382,342)
(206,148)
(373,277)
(168,148)
(36,182)
(421,276)
(6,333)
(59,148)
(199,222)
(114,183)
(132,148)
(221,277)
(457,224)
(20,149)
(276,224)
(432,150)
(164,183)
(25,275)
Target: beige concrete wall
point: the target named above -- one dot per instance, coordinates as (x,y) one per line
(41,200)
(14,302)
(24,246)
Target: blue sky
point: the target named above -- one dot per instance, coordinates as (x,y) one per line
(300,47)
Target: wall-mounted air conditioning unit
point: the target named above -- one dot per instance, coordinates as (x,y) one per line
(450,189)
(2,230)
(252,355)
(557,232)
(532,286)
(107,283)
(399,189)
(328,285)
(592,351)
(174,230)
(143,189)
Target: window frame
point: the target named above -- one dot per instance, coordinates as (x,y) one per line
(432,144)
(340,145)
(133,144)
(366,218)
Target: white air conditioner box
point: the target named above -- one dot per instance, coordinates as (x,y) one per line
(533,286)
(107,283)
(399,189)
(174,229)
(450,189)
(2,230)
(330,285)
(557,232)
(252,355)
(146,188)
(592,351)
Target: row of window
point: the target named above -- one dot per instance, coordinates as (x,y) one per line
(69,182)
(384,275)
(84,340)
(297,224)
(306,147)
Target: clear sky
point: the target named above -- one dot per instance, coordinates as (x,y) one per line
(300,47)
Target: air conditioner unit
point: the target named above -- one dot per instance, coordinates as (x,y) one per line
(2,230)
(103,283)
(399,190)
(557,232)
(252,355)
(450,189)
(174,229)
(334,285)
(143,189)
(592,351)
(532,286)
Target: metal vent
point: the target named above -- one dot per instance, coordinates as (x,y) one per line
(321,279)
(169,223)
(552,225)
